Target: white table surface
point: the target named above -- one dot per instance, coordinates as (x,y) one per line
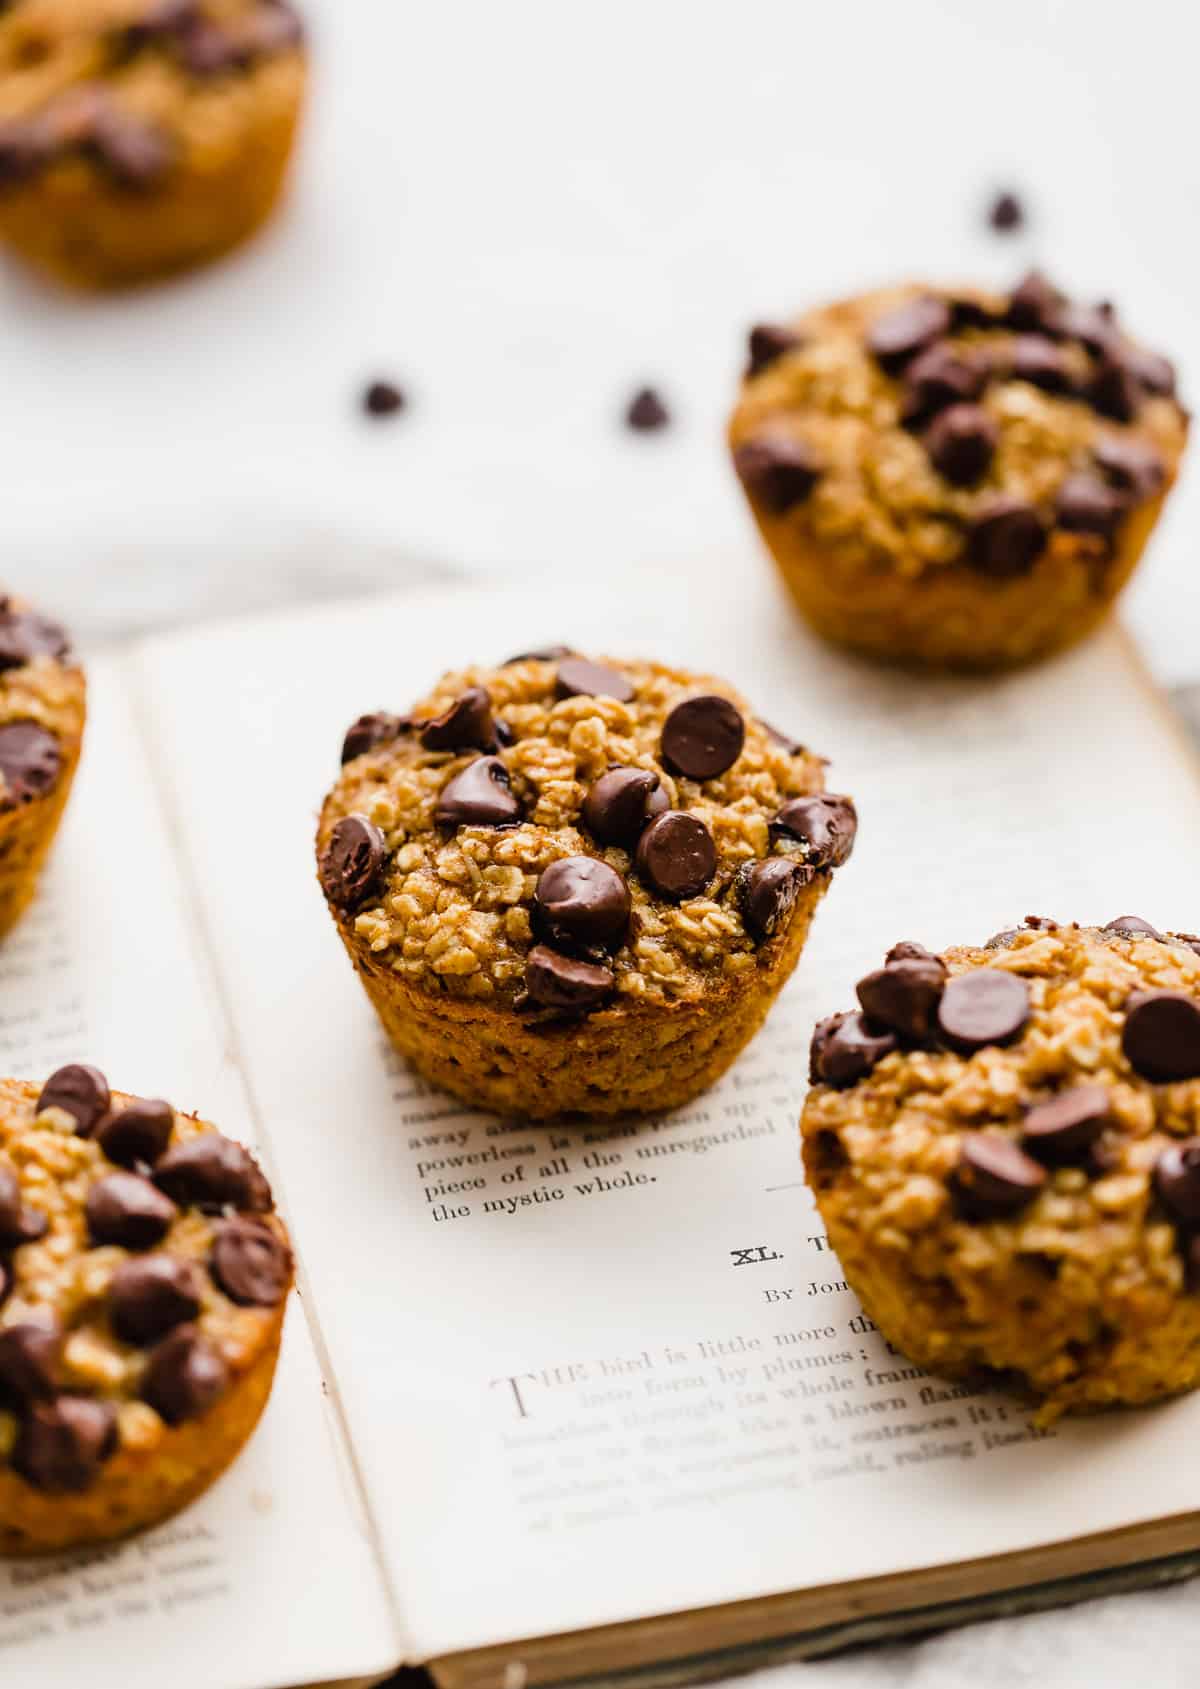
(523,211)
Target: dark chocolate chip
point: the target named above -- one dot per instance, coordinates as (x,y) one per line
(1113,391)
(250,1264)
(352,866)
(702,737)
(1006,537)
(825,822)
(160,22)
(151,1296)
(184,1376)
(62,1444)
(30,761)
(137,1134)
(580,900)
(904,994)
(383,398)
(208,50)
(1085,505)
(785,741)
(1177,1180)
(646,411)
(137,154)
(24,150)
(620,803)
(25,636)
(777,468)
(211,1171)
(548,654)
(80,1091)
(29,1361)
(1036,359)
(6,1281)
(18,1224)
(769,341)
(994,1177)
(987,1006)
(1064,1128)
(941,375)
(767,892)
(903,332)
(676,856)
(845,1048)
(1090,324)
(555,981)
(1152,371)
(578,678)
(1132,926)
(1161,1036)
(1034,302)
(1006,213)
(370,730)
(961,443)
(275,28)
(1134,467)
(907,951)
(479,796)
(466,725)
(126,1209)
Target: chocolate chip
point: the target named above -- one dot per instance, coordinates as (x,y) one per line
(479,796)
(767,892)
(275,28)
(907,951)
(151,1296)
(6,1281)
(1086,506)
(29,1361)
(1134,467)
(985,1007)
(62,1444)
(903,332)
(1036,359)
(211,1171)
(30,761)
(646,411)
(941,375)
(352,866)
(136,154)
(126,1209)
(80,1091)
(1153,372)
(18,1224)
(1113,391)
(25,636)
(137,1134)
(1177,1180)
(785,741)
(1065,1127)
(581,900)
(845,1048)
(778,469)
(383,398)
(769,341)
(466,725)
(1133,926)
(1090,324)
(702,737)
(250,1264)
(184,1376)
(972,311)
(676,856)
(1006,538)
(825,822)
(961,443)
(371,730)
(904,994)
(994,1178)
(160,22)
(620,803)
(1033,302)
(209,50)
(1006,213)
(578,678)
(555,981)
(24,150)
(548,654)
(1161,1036)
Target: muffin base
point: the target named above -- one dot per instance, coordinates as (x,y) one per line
(643,1059)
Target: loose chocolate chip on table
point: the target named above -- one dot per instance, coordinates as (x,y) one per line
(994,1177)
(1161,1036)
(904,994)
(125,1209)
(151,1296)
(899,335)
(1006,538)
(1153,372)
(581,900)
(371,730)
(185,1376)
(769,341)
(211,1171)
(778,469)
(383,398)
(767,892)
(137,1133)
(80,1091)
(250,1264)
(1134,467)
(29,1361)
(1036,359)
(25,636)
(1033,302)
(480,796)
(352,867)
(985,1007)
(702,737)
(1132,926)
(646,411)
(941,375)
(555,981)
(62,1444)
(1006,213)
(961,443)
(826,822)
(1065,1127)
(578,678)
(30,761)
(1113,391)
(1085,505)
(845,1048)
(466,725)
(1177,1179)
(676,856)
(548,654)
(18,1224)
(621,802)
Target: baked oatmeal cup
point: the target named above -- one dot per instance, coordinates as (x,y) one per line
(576,887)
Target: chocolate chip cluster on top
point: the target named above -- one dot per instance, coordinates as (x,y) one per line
(559,834)
(41,704)
(142,1274)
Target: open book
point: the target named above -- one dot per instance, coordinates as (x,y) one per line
(595,1398)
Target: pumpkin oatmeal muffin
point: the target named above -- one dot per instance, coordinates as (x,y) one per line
(1004,1144)
(576,887)
(952,477)
(42,708)
(143,1279)
(138,137)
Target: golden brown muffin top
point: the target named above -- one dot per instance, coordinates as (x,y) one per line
(141,1272)
(41,704)
(921,427)
(556,834)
